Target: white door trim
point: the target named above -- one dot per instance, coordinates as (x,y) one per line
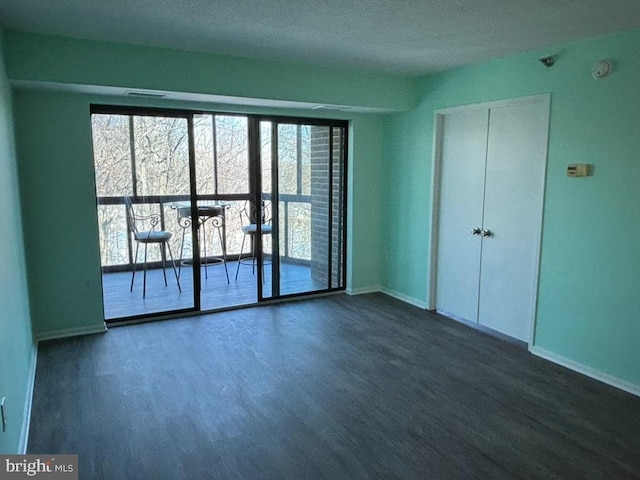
(436,184)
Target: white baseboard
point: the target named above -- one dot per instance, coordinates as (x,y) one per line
(405,298)
(588,371)
(362,291)
(392,293)
(26,415)
(71,332)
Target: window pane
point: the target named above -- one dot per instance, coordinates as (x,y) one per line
(287,159)
(299,230)
(203,145)
(232,141)
(305,158)
(162,155)
(112,155)
(112,229)
(234,221)
(265,155)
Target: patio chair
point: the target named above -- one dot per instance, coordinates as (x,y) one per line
(159,237)
(249,222)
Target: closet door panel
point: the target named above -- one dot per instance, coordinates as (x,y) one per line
(516,163)
(464,144)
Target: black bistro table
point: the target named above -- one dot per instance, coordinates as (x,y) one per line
(213,214)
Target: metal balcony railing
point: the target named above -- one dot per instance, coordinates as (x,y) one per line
(117,249)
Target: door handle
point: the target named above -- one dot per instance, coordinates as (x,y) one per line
(486,233)
(475,231)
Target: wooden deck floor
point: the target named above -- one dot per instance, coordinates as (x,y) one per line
(119,302)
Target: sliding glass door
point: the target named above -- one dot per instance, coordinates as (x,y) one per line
(144,192)
(200,211)
(303,183)
(222,184)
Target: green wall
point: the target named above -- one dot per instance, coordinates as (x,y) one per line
(44,58)
(17,349)
(590,267)
(364,203)
(53,137)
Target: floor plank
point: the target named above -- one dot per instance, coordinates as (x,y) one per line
(216,292)
(336,387)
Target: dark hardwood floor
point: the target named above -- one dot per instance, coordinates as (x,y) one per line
(337,387)
(216,292)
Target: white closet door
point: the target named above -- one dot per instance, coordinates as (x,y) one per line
(516,164)
(464,144)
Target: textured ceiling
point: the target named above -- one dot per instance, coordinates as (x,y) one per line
(402,36)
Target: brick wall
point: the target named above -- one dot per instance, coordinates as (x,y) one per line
(320,186)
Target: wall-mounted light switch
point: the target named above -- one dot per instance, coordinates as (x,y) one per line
(3,415)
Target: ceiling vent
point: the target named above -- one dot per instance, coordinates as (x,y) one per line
(144,94)
(331,108)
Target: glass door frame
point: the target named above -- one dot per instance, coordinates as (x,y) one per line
(274,197)
(133,111)
(255,194)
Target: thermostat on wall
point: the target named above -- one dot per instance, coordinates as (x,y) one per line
(579,170)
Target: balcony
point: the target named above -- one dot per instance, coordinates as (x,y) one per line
(161,158)
(118,248)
